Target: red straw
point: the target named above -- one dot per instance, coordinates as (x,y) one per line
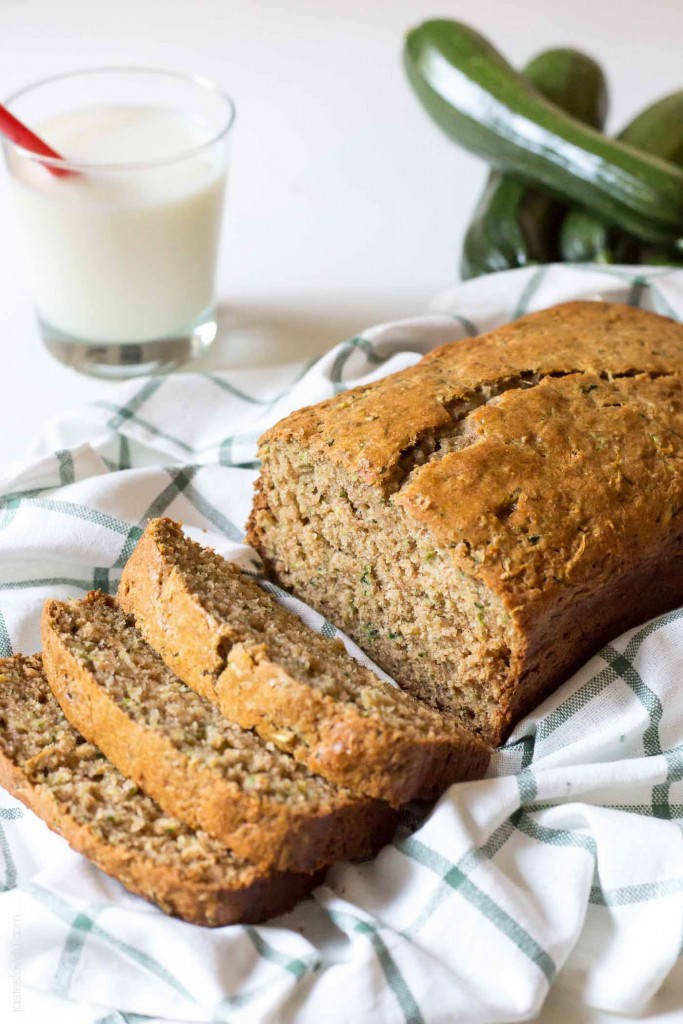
(22,136)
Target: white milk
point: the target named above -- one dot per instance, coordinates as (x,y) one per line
(123,254)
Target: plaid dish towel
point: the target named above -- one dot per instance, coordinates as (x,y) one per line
(554,887)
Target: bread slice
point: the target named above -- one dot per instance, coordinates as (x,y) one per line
(178,747)
(69,784)
(237,646)
(482,521)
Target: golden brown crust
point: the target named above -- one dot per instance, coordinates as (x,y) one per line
(369,427)
(249,895)
(358,748)
(553,470)
(288,837)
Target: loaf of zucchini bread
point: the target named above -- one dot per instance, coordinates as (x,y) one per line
(481,521)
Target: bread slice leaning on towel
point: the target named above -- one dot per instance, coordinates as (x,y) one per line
(178,747)
(234,644)
(68,783)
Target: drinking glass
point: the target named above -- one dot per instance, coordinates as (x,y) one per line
(122,252)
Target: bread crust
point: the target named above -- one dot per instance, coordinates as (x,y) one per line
(354,747)
(277,835)
(252,895)
(552,477)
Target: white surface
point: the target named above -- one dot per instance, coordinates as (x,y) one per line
(346,205)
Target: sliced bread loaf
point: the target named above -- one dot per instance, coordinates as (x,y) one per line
(237,646)
(482,521)
(178,747)
(69,783)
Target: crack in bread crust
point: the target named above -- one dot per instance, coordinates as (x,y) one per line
(433,444)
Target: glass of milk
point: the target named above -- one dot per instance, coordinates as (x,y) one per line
(122,249)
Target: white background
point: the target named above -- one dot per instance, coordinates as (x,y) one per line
(346,205)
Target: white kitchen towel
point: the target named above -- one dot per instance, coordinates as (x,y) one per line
(561,872)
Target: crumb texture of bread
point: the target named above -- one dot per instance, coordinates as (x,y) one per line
(179,748)
(233,643)
(482,520)
(103,814)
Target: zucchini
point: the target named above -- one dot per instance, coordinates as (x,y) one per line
(659,129)
(515,224)
(657,256)
(482,103)
(572,81)
(585,237)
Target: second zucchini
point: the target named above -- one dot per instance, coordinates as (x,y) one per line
(515,224)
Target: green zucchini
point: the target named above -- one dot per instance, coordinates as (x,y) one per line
(515,224)
(656,256)
(585,237)
(572,81)
(486,106)
(659,129)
